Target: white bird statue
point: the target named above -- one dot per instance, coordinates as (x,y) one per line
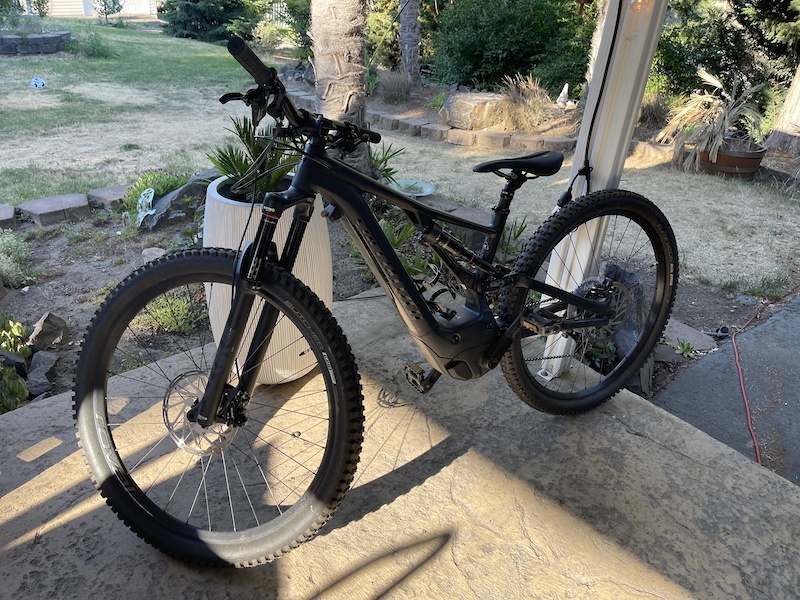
(563,97)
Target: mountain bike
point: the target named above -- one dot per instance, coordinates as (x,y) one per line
(207,460)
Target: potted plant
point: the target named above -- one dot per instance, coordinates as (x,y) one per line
(232,216)
(721,129)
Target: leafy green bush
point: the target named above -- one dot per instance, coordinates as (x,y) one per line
(180,314)
(268,35)
(211,20)
(9,11)
(382,32)
(16,264)
(160,180)
(13,392)
(13,335)
(298,15)
(41,7)
(92,45)
(483,41)
(701,38)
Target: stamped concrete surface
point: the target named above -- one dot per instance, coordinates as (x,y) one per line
(461,493)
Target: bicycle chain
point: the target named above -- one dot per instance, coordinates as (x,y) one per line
(529,360)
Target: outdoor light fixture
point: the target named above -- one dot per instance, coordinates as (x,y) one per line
(639,5)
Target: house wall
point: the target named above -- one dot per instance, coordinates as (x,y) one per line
(81,8)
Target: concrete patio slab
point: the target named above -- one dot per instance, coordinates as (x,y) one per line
(462,493)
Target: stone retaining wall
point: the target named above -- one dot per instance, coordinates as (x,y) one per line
(34,43)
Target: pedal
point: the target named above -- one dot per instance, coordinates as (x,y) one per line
(540,324)
(417,378)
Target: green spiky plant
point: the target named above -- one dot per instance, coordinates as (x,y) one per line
(235,159)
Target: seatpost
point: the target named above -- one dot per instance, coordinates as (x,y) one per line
(514,181)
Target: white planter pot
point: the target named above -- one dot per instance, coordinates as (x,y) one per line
(224,222)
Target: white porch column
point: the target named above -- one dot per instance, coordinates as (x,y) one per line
(628,44)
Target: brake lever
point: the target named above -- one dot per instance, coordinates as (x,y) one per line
(231,96)
(255,98)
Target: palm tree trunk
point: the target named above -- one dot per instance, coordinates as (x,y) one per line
(338,33)
(595,47)
(786,133)
(410,37)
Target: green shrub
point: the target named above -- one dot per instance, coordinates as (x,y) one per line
(703,38)
(211,20)
(382,32)
(381,159)
(181,314)
(482,41)
(437,102)
(92,45)
(16,264)
(13,392)
(160,180)
(268,36)
(9,12)
(298,15)
(41,7)
(13,335)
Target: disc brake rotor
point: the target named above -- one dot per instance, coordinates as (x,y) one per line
(600,339)
(183,392)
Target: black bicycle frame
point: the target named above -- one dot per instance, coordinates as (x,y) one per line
(465,346)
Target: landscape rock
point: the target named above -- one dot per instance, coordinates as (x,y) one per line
(469,110)
(49,330)
(151,254)
(177,206)
(14,361)
(38,382)
(43,361)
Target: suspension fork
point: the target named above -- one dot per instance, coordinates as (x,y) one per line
(247,283)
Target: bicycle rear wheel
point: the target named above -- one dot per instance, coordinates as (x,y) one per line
(231,494)
(612,246)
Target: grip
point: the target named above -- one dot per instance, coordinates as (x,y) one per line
(373,137)
(262,74)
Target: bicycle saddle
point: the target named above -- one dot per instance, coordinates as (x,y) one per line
(541,163)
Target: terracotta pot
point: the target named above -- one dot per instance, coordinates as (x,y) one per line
(739,159)
(224,222)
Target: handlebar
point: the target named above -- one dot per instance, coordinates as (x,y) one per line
(262,74)
(267,78)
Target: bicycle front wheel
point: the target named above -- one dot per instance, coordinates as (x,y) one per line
(233,494)
(613,247)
